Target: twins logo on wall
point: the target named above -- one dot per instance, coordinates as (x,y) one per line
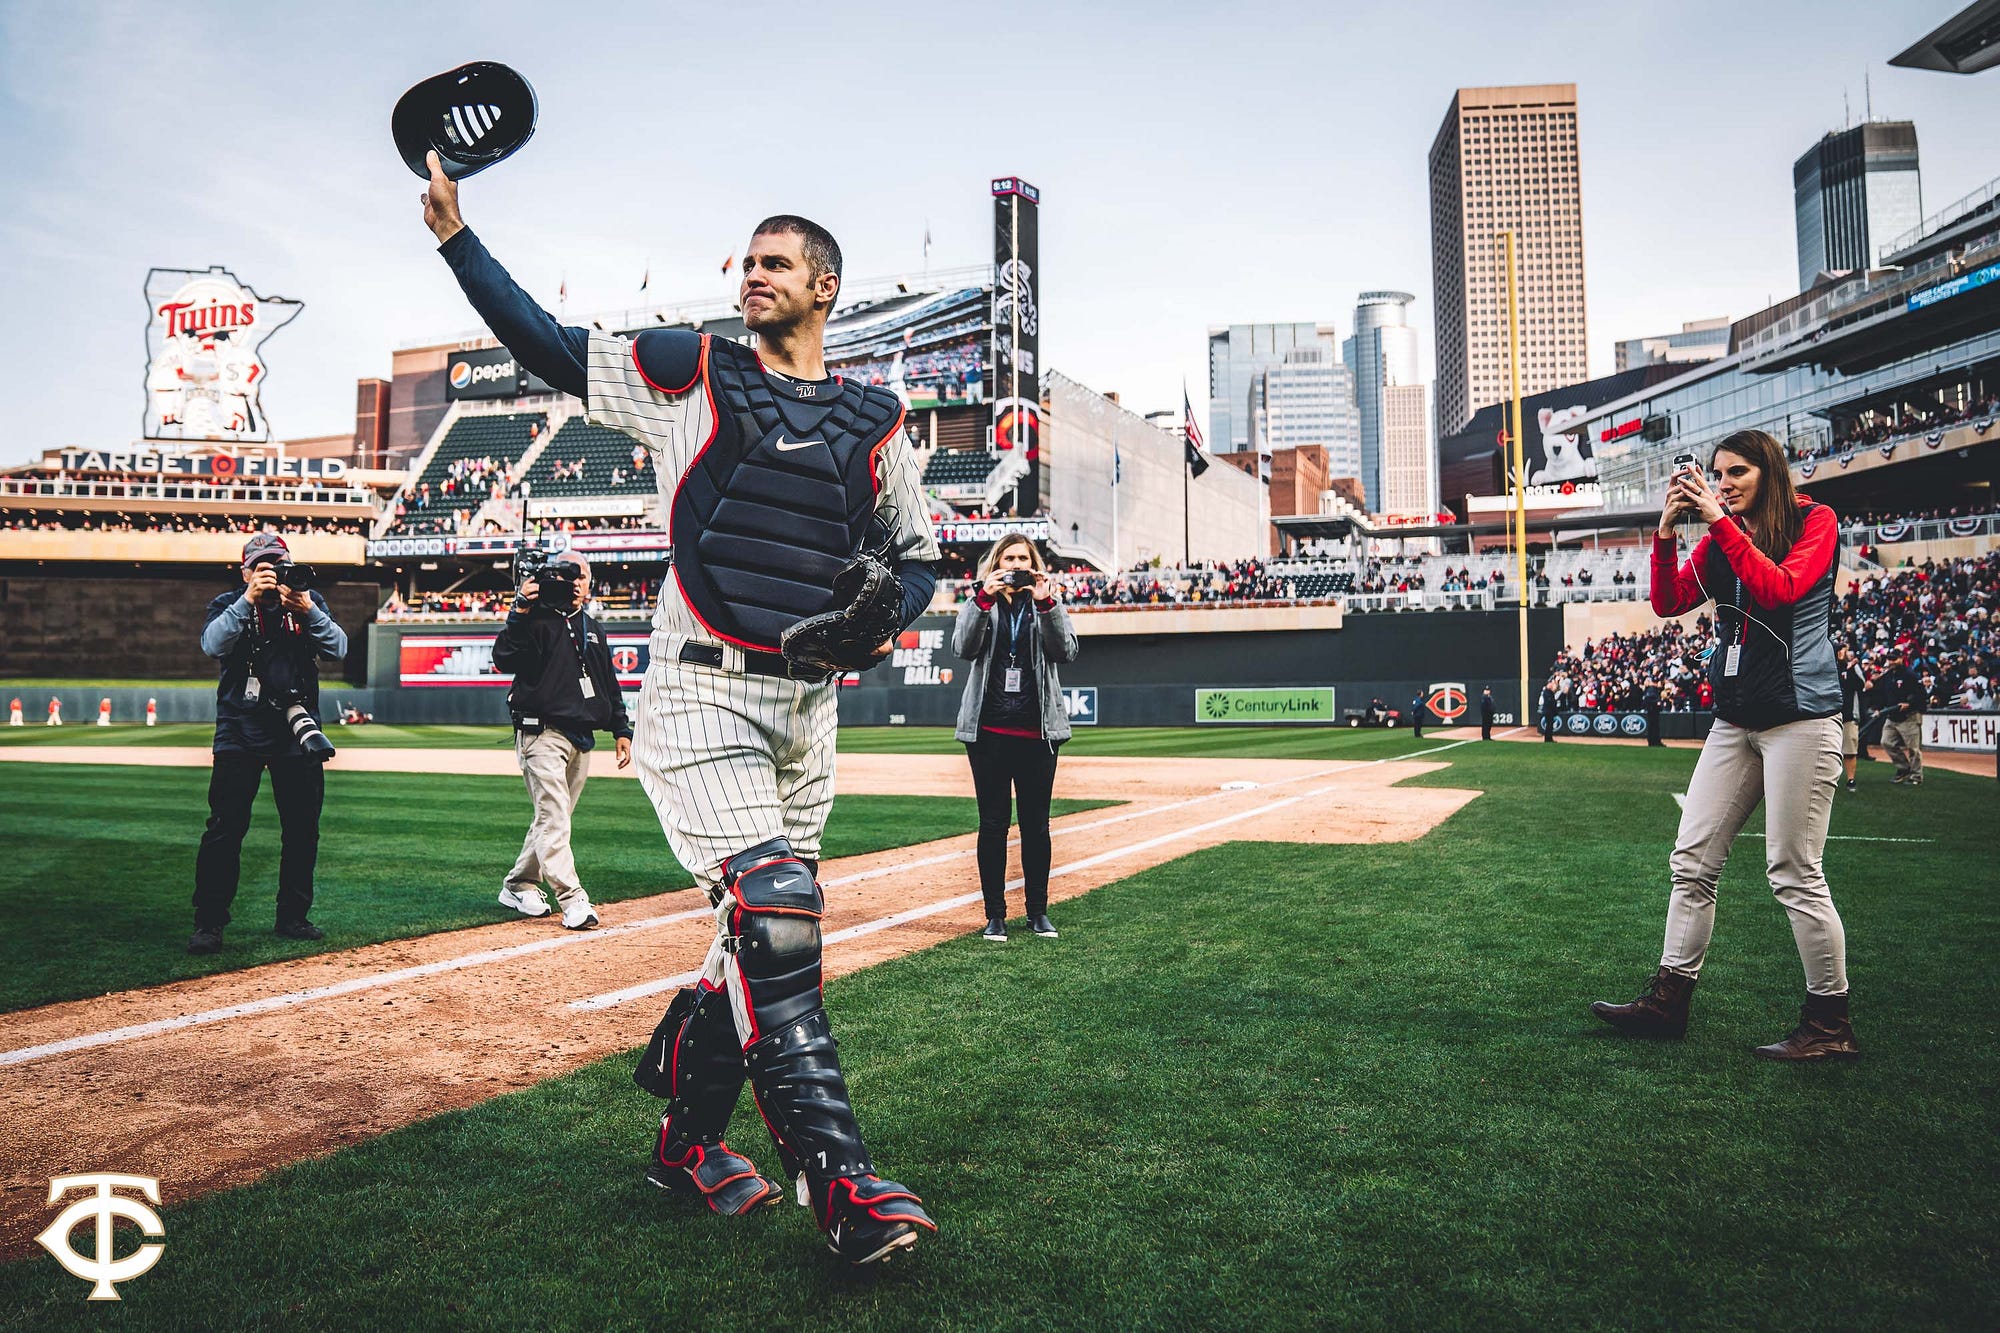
(204,366)
(1446,700)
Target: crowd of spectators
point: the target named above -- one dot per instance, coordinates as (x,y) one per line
(107,521)
(1219,581)
(1899,421)
(1939,615)
(1612,674)
(1393,575)
(607,595)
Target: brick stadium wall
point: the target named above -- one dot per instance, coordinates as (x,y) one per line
(93,627)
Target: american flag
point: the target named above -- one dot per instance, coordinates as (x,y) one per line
(1197,462)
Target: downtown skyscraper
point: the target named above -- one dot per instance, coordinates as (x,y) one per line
(1383,354)
(1506,159)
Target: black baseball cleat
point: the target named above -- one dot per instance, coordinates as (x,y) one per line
(300,930)
(727,1182)
(206,939)
(867,1218)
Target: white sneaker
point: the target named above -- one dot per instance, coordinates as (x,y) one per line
(528,901)
(581,917)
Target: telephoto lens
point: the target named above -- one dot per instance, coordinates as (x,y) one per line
(312,742)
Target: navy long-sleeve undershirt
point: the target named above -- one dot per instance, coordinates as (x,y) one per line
(556,352)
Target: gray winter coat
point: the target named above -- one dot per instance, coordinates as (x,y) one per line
(973,636)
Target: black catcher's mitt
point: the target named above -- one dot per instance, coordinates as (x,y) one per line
(848,637)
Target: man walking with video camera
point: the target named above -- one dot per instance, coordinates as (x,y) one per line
(564,689)
(268,639)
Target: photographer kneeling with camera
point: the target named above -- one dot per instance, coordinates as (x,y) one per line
(564,689)
(269,638)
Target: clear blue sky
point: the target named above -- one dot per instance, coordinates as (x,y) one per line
(1199,164)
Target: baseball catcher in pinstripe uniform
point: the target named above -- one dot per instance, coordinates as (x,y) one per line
(775,477)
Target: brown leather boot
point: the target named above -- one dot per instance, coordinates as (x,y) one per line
(1823,1033)
(1660,1011)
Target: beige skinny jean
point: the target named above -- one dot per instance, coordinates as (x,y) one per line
(1792,769)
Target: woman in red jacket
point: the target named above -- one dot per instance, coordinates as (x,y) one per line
(1769,562)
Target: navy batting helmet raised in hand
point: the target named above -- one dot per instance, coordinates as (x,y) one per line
(473,116)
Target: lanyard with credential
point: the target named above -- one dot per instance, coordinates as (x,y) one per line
(1017,622)
(578,628)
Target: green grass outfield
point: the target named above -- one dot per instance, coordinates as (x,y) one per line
(1263,1086)
(97,865)
(1234,742)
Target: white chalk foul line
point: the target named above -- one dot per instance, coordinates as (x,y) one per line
(611,999)
(271,1003)
(1681,800)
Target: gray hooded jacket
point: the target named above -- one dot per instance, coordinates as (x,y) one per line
(973,636)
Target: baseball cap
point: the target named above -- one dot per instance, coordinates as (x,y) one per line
(264,543)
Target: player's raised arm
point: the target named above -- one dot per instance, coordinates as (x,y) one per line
(543,347)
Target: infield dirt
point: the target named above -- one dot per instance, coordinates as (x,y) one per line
(210,1083)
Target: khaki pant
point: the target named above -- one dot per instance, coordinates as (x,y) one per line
(1792,769)
(554,770)
(1903,738)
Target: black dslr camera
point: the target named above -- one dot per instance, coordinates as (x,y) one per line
(557,578)
(297,577)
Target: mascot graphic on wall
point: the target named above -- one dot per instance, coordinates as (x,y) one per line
(204,364)
(1563,448)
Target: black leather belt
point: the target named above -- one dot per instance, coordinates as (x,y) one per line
(756,662)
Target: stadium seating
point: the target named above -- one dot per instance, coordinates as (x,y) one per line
(600,450)
(959,468)
(500,436)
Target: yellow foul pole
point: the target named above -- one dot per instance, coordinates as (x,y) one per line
(1518,471)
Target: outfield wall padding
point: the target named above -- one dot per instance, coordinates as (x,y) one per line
(1139,679)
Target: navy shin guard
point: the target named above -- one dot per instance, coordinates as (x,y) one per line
(694,1062)
(794,1067)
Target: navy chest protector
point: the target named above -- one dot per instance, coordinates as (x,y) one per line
(779,498)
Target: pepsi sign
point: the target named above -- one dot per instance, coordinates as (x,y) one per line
(490,373)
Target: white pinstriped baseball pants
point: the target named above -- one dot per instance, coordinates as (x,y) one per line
(730,760)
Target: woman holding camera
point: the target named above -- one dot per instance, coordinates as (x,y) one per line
(1014,631)
(1769,562)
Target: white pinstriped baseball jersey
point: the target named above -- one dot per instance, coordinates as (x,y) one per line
(729,760)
